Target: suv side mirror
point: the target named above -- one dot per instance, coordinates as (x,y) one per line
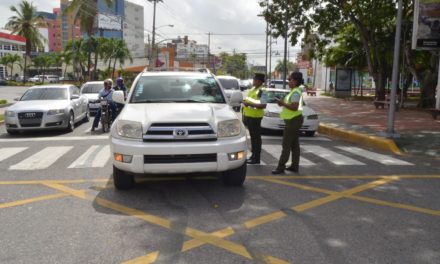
(236,98)
(118,97)
(17,98)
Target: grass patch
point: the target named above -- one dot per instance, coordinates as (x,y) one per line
(3,101)
(2,117)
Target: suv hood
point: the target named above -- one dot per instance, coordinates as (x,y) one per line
(177,113)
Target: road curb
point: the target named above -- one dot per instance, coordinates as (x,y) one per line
(359,138)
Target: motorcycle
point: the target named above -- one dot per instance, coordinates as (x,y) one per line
(106,115)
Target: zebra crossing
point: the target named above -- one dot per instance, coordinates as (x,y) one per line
(98,156)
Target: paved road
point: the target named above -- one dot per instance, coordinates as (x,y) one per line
(11,92)
(348,205)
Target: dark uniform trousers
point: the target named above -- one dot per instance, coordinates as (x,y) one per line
(254,126)
(291,141)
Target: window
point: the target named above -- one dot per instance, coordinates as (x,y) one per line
(7,47)
(15,47)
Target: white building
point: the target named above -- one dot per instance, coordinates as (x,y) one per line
(134,29)
(11,44)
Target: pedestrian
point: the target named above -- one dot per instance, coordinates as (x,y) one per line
(293,118)
(253,112)
(105,93)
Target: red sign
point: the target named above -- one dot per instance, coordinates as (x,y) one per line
(12,37)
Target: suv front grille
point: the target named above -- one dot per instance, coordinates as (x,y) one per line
(180,132)
(190,158)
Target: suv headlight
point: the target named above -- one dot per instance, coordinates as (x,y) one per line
(55,112)
(229,128)
(10,113)
(129,129)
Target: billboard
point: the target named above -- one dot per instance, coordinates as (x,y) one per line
(426,25)
(109,22)
(343,80)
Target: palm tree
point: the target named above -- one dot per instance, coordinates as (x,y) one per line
(280,67)
(67,59)
(25,23)
(9,60)
(76,52)
(86,12)
(121,53)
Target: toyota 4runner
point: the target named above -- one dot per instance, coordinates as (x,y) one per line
(177,122)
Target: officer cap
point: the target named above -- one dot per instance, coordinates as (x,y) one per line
(260,77)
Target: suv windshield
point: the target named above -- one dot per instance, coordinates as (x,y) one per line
(92,88)
(45,94)
(229,83)
(172,89)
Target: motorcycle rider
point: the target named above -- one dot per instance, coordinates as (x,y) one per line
(105,93)
(120,86)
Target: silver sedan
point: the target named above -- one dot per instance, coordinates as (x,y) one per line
(47,107)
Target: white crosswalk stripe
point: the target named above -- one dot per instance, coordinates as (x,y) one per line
(331,156)
(96,156)
(6,153)
(42,159)
(275,151)
(384,159)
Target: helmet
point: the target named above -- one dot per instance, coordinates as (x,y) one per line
(119,80)
(109,81)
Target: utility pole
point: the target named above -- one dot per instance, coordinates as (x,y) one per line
(209,45)
(152,62)
(285,51)
(395,75)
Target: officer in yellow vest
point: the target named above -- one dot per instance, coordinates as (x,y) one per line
(253,112)
(293,118)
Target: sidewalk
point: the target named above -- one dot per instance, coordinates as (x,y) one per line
(419,132)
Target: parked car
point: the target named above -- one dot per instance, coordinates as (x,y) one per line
(272,120)
(245,84)
(36,78)
(47,107)
(91,91)
(51,78)
(177,122)
(230,85)
(277,84)
(21,78)
(3,82)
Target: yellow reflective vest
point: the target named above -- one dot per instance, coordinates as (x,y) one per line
(286,113)
(250,111)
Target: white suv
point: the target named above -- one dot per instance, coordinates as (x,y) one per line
(177,122)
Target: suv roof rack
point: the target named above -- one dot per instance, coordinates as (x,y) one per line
(177,69)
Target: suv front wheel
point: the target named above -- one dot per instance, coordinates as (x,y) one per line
(235,177)
(122,180)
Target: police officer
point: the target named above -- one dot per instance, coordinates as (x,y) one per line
(293,118)
(253,112)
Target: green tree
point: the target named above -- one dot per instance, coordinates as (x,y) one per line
(25,23)
(121,54)
(374,21)
(74,50)
(235,64)
(86,11)
(9,60)
(42,63)
(279,67)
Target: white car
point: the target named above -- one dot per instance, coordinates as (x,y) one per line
(91,91)
(272,120)
(177,122)
(230,84)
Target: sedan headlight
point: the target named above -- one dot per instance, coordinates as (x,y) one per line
(271,114)
(10,113)
(312,117)
(229,128)
(129,129)
(55,112)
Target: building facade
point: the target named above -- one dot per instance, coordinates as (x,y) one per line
(10,44)
(110,19)
(133,29)
(69,29)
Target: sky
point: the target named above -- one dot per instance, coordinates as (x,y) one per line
(233,24)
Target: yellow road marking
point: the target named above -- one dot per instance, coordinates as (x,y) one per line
(33,200)
(396,205)
(51,181)
(300,186)
(193,243)
(199,235)
(77,193)
(147,259)
(264,219)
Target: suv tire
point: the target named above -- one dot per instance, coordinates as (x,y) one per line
(122,180)
(235,177)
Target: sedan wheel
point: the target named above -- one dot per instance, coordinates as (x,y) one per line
(71,125)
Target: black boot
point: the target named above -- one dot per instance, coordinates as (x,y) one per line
(253,161)
(278,170)
(294,168)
